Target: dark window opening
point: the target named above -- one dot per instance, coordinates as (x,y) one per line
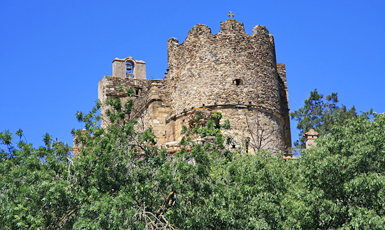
(138,91)
(237,82)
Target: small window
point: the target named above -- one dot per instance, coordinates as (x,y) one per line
(237,82)
(138,91)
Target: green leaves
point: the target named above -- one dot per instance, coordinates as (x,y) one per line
(6,137)
(343,177)
(226,124)
(30,190)
(321,115)
(47,140)
(19,133)
(198,117)
(184,129)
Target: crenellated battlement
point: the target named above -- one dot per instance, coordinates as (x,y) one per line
(223,68)
(230,27)
(199,30)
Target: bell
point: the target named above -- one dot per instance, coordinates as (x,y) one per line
(129,67)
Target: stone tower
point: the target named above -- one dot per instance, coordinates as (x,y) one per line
(231,72)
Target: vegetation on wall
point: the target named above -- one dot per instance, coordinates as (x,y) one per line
(121,180)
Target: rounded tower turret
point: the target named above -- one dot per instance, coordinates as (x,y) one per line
(234,73)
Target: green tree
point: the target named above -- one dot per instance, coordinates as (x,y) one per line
(119,179)
(109,184)
(341,181)
(33,193)
(320,114)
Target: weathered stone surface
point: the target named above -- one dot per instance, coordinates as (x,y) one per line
(230,72)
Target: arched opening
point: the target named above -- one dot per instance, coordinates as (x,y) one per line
(129,70)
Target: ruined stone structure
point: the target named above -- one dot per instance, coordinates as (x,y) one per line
(230,72)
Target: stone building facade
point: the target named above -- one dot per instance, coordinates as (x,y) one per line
(230,72)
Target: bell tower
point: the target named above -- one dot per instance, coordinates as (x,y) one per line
(129,68)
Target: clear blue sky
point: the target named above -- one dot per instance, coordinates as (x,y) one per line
(54,53)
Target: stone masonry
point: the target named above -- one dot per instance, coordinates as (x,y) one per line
(231,72)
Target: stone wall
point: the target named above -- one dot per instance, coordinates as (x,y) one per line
(154,117)
(230,72)
(109,86)
(205,67)
(230,68)
(285,104)
(147,108)
(263,129)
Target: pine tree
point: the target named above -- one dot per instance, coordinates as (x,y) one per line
(320,114)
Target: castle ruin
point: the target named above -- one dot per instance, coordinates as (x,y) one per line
(230,72)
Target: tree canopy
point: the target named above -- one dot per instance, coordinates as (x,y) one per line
(341,181)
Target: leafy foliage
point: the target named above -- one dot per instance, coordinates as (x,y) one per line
(320,114)
(342,179)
